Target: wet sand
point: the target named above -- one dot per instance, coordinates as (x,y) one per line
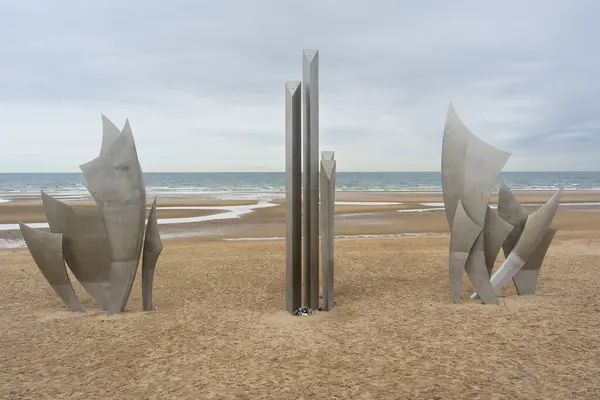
(367,213)
(31,213)
(220,333)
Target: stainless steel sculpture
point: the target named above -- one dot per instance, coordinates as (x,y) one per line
(293,196)
(114,180)
(495,232)
(464,234)
(315,183)
(526,279)
(310,97)
(85,245)
(511,210)
(327,226)
(110,134)
(46,250)
(470,168)
(534,231)
(152,248)
(102,245)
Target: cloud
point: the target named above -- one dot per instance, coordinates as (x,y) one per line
(203,82)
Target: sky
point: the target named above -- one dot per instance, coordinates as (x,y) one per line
(203,82)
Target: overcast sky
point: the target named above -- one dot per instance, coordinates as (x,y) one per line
(202,82)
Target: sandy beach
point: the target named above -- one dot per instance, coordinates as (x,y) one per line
(220,331)
(224,121)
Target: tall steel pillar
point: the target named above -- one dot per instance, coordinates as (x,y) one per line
(293,196)
(327,225)
(310,98)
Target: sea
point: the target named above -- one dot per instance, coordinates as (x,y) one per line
(270,185)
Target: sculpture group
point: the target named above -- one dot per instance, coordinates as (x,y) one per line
(470,169)
(302,115)
(102,245)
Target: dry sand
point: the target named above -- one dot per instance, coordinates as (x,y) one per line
(220,333)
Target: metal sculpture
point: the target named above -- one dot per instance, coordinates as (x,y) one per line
(464,233)
(534,231)
(327,226)
(110,134)
(293,197)
(103,244)
(495,232)
(46,250)
(152,248)
(310,92)
(85,245)
(470,168)
(511,210)
(315,219)
(114,180)
(526,278)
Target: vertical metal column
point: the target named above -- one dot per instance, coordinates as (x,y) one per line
(328,168)
(310,92)
(293,196)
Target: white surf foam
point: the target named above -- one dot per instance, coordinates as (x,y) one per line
(15,227)
(187,234)
(434,204)
(583,203)
(367,203)
(11,243)
(372,236)
(420,210)
(438,206)
(252,239)
(231,212)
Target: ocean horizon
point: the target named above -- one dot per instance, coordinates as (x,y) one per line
(267,185)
